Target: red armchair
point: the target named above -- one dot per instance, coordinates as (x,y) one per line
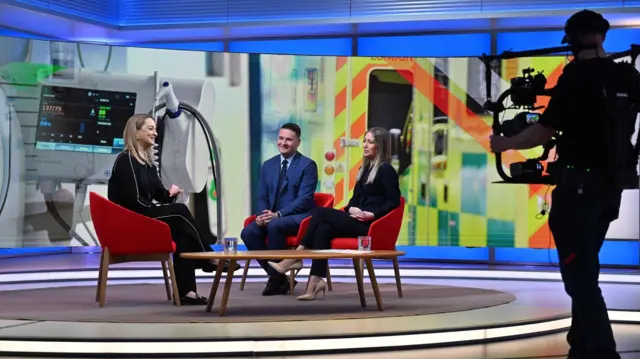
(322,200)
(126,236)
(384,234)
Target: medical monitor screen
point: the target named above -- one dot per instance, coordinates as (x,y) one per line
(83,120)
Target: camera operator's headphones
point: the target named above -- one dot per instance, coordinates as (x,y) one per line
(585,21)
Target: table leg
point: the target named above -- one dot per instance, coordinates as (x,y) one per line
(227,287)
(214,287)
(359,282)
(374,283)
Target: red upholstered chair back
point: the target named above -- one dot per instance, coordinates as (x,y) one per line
(125,232)
(321,199)
(324,200)
(384,232)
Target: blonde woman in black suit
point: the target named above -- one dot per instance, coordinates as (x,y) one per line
(134,184)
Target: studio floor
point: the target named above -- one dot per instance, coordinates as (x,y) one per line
(544,347)
(440,302)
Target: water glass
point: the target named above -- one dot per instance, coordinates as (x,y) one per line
(230,245)
(364,243)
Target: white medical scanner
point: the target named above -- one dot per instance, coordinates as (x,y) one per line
(79,128)
(11,180)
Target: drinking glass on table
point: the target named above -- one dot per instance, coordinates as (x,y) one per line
(230,244)
(364,243)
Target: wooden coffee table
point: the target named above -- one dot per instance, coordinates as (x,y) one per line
(356,256)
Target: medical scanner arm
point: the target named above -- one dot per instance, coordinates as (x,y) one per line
(167,94)
(175,110)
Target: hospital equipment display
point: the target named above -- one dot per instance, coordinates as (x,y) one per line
(80,125)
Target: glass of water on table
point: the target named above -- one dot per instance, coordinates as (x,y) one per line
(364,243)
(230,244)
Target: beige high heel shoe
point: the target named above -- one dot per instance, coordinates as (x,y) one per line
(295,266)
(321,287)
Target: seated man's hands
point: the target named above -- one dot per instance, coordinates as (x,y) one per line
(266,217)
(174,191)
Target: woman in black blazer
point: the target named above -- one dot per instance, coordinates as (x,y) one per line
(134,184)
(376,193)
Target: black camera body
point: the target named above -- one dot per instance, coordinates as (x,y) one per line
(526,89)
(527,171)
(523,92)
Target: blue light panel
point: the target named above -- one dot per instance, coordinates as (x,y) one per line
(617,40)
(424,26)
(450,45)
(19,252)
(23,35)
(320,47)
(520,41)
(194,46)
(612,253)
(445,253)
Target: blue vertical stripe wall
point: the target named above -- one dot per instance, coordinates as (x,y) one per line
(100,11)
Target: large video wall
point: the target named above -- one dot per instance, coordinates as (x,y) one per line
(432,107)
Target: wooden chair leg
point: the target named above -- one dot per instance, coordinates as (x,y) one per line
(292,278)
(99,278)
(104,272)
(165,275)
(174,283)
(374,283)
(329,286)
(396,269)
(244,273)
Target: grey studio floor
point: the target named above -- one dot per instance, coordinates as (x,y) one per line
(547,347)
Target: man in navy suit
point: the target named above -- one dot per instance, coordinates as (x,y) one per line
(285,197)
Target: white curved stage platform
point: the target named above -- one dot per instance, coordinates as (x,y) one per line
(540,307)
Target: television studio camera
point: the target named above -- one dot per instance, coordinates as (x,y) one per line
(524,92)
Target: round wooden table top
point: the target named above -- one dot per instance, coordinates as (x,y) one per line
(295,254)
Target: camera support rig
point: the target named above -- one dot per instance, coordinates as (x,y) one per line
(524,92)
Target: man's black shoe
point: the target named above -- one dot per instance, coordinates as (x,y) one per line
(275,286)
(286,287)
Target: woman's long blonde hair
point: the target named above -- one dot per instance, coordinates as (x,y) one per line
(383,153)
(134,124)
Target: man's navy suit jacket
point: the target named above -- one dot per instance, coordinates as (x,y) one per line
(297,189)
